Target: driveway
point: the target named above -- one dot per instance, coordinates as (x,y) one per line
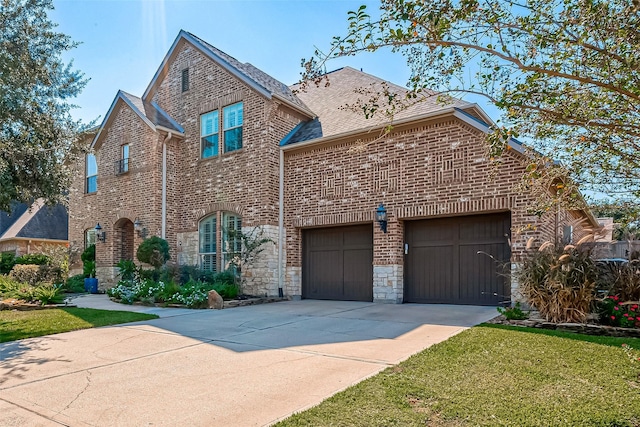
(246,366)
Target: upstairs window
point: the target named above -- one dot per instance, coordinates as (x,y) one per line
(123,164)
(209,134)
(185,80)
(91,173)
(232,127)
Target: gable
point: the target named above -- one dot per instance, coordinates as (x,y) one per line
(246,73)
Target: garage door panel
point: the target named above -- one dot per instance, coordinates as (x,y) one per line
(331,279)
(338,263)
(443,264)
(433,273)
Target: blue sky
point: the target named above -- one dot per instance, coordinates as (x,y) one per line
(124,41)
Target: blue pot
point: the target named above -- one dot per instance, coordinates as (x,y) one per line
(91,285)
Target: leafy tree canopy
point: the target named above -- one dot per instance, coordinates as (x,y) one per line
(566,73)
(37,133)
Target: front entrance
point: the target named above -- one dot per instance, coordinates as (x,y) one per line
(123,243)
(337,263)
(448,260)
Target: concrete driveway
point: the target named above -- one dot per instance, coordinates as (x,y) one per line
(247,366)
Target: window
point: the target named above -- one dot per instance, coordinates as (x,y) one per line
(208,243)
(209,134)
(231,241)
(91,173)
(232,127)
(185,80)
(124,159)
(89,237)
(224,226)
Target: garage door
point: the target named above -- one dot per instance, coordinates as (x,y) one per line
(447,261)
(337,263)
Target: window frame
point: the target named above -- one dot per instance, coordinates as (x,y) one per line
(124,158)
(215,131)
(90,179)
(233,108)
(217,260)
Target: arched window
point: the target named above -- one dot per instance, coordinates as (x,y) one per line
(220,228)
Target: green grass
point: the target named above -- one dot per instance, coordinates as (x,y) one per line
(16,325)
(496,376)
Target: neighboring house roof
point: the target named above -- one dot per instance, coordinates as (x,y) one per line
(348,86)
(149,112)
(247,73)
(35,222)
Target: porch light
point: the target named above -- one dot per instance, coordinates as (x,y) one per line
(137,226)
(381,217)
(101,236)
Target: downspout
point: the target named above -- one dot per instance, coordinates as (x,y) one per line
(164,184)
(281,225)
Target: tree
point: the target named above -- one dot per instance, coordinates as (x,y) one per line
(626,217)
(37,133)
(154,251)
(565,73)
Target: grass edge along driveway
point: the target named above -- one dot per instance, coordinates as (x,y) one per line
(15,325)
(493,375)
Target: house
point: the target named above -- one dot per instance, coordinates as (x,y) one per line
(30,227)
(215,144)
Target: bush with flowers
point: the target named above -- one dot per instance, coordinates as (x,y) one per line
(615,312)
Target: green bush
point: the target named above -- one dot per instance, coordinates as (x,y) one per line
(154,251)
(75,284)
(32,259)
(7,261)
(89,254)
(43,293)
(513,313)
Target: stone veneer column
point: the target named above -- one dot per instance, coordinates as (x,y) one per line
(388,283)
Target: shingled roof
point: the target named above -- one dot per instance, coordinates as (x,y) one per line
(346,87)
(35,222)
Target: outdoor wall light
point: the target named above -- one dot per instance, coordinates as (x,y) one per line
(101,236)
(142,231)
(381,217)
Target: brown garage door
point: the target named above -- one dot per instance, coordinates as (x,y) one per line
(337,263)
(443,263)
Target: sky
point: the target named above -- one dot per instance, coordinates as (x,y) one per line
(123,42)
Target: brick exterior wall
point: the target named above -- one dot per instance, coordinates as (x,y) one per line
(243,182)
(424,170)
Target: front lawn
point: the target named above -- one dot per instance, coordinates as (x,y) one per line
(496,376)
(15,325)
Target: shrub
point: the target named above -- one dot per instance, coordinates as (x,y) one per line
(89,254)
(128,269)
(29,274)
(559,282)
(154,251)
(7,261)
(89,269)
(48,294)
(32,259)
(513,313)
(45,294)
(75,284)
(615,312)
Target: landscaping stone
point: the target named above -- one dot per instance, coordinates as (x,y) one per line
(580,328)
(215,300)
